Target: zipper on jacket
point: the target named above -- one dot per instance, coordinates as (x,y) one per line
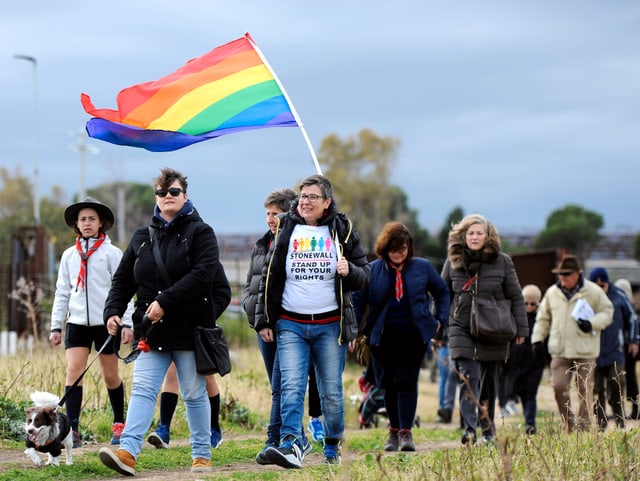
(266,282)
(86,284)
(339,247)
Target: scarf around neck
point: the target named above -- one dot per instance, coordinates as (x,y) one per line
(84,257)
(399,286)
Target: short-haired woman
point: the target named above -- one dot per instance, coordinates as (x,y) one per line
(400,325)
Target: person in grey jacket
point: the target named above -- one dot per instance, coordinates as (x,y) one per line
(474,250)
(84,278)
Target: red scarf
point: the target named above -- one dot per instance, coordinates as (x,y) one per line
(84,257)
(399,289)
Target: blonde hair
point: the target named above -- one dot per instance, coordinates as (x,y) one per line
(459,230)
(532,293)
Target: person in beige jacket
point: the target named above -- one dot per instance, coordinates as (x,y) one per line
(574,338)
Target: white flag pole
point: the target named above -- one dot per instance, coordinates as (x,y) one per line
(286,97)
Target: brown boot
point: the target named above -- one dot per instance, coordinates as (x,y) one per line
(392,443)
(406,440)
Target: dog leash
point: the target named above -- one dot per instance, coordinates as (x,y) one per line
(77,381)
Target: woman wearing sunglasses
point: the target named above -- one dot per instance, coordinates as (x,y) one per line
(170,266)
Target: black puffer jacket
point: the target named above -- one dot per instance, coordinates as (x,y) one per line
(269,303)
(192,264)
(249,297)
(496,278)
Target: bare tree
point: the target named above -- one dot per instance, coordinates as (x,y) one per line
(29,297)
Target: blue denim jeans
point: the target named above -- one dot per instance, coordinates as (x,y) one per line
(298,344)
(270,358)
(443,373)
(148,373)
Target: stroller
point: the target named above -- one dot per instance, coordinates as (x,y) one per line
(372,404)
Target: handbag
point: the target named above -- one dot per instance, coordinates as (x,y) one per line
(491,320)
(212,351)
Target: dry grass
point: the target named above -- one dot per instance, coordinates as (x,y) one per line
(551,455)
(247,384)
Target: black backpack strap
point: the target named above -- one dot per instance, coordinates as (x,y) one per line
(157,257)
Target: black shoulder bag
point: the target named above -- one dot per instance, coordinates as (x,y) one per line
(491,321)
(211,349)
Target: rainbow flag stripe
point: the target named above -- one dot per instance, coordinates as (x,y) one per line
(229,89)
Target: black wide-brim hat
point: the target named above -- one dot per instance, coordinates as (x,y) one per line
(105,213)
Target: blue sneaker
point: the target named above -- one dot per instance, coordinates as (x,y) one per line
(216,438)
(306,446)
(261,458)
(288,455)
(316,429)
(160,437)
(331,454)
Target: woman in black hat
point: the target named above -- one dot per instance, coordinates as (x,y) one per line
(84,279)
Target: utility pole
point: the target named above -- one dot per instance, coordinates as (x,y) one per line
(36,181)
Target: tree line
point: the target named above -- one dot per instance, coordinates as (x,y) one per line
(359,167)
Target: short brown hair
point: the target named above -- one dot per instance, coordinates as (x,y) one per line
(281,198)
(169,176)
(393,237)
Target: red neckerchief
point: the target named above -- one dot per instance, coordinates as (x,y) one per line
(399,289)
(84,257)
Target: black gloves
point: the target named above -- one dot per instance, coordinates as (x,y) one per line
(584,325)
(539,351)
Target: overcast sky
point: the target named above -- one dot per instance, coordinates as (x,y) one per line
(511,109)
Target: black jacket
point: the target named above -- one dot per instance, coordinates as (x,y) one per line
(192,264)
(249,297)
(269,303)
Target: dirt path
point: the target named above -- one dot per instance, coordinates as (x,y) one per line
(18,459)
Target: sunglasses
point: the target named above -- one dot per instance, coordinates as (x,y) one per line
(530,303)
(174,191)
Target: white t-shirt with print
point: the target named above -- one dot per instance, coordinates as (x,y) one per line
(311,271)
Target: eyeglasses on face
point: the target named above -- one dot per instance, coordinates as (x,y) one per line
(174,191)
(530,303)
(310,197)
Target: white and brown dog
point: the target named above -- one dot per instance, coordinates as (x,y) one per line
(48,431)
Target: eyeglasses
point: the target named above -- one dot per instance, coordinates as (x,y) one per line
(174,191)
(565,274)
(310,197)
(530,303)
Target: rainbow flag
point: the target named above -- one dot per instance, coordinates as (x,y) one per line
(229,89)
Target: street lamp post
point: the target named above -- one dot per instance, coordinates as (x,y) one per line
(36,196)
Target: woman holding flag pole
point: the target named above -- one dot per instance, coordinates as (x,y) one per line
(314,263)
